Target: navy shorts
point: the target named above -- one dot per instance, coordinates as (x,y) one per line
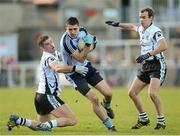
(45,103)
(81,82)
(152,69)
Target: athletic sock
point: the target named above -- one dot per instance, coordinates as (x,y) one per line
(107,104)
(161,120)
(51,123)
(143,116)
(108,123)
(24,122)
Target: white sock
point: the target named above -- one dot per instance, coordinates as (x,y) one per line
(51,123)
(143,116)
(24,122)
(161,119)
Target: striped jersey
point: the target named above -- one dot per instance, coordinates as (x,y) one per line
(49,81)
(69,45)
(149,39)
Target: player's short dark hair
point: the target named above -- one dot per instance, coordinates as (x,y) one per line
(72,21)
(149,10)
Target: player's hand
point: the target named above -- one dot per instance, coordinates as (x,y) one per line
(81,70)
(95,42)
(143,57)
(88,39)
(112,23)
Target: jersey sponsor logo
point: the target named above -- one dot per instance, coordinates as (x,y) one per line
(144,45)
(147,37)
(159,34)
(52,59)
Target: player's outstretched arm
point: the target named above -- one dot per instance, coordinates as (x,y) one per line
(127,26)
(61,68)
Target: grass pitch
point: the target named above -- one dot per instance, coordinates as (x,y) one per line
(20,101)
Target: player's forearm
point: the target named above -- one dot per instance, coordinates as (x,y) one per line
(162,46)
(84,54)
(60,68)
(64,69)
(127,26)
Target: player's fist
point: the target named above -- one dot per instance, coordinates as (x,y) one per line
(143,57)
(80,69)
(112,23)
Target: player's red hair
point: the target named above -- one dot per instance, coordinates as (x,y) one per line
(40,39)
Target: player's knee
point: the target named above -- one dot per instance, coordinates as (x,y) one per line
(108,94)
(95,100)
(152,95)
(131,94)
(73,121)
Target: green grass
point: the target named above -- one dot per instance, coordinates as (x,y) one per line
(20,101)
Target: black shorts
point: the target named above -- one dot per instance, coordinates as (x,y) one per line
(153,69)
(81,83)
(45,103)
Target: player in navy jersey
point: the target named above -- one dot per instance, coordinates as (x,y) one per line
(71,55)
(46,100)
(153,66)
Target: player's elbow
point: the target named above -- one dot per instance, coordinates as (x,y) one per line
(82,60)
(80,57)
(165,46)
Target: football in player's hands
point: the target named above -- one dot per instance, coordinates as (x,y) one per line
(88,40)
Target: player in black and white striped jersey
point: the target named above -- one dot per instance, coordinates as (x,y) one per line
(47,101)
(153,68)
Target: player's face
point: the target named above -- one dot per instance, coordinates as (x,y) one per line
(145,20)
(72,30)
(49,46)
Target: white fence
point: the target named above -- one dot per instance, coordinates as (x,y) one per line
(115,62)
(25,75)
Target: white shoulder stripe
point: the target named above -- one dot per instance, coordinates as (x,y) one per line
(69,45)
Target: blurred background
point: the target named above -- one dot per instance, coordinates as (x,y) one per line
(22,20)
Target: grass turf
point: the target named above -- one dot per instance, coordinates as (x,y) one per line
(20,101)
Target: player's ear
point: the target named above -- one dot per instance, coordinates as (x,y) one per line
(151,18)
(41,48)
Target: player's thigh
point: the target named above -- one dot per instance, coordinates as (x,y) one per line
(103,88)
(43,118)
(137,86)
(93,76)
(154,85)
(63,111)
(79,82)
